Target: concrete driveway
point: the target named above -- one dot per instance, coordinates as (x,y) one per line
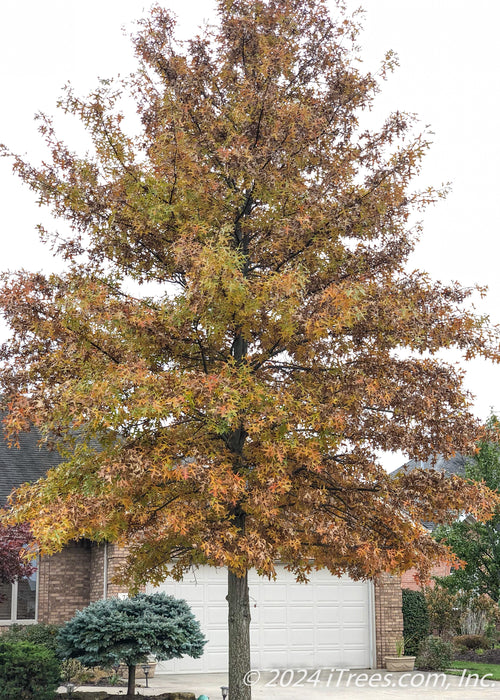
(358,685)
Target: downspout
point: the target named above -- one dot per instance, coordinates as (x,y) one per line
(372,623)
(105,573)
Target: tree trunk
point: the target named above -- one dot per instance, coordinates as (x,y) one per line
(239,636)
(131,680)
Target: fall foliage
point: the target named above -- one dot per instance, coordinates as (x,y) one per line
(12,564)
(477,544)
(231,410)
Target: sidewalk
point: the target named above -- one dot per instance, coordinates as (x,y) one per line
(302,685)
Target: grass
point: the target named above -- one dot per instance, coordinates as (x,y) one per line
(474,667)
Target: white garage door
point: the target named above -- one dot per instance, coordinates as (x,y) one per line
(323,624)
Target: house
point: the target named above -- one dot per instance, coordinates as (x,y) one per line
(453,465)
(330,622)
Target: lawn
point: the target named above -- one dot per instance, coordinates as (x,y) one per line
(493,670)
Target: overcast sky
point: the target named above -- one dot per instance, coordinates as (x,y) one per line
(449,74)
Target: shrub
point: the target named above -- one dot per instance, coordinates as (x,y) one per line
(435,654)
(462,613)
(471,641)
(73,671)
(479,615)
(415,620)
(27,671)
(40,633)
(444,610)
(128,631)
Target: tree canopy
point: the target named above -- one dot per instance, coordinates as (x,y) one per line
(477,544)
(231,410)
(13,538)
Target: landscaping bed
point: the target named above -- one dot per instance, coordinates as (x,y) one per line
(487,656)
(102,695)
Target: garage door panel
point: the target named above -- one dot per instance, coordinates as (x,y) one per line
(353,615)
(328,658)
(355,593)
(272,593)
(331,616)
(195,594)
(352,658)
(323,624)
(218,637)
(299,593)
(324,593)
(301,637)
(216,591)
(300,615)
(328,637)
(277,659)
(354,637)
(300,658)
(273,638)
(270,616)
(215,615)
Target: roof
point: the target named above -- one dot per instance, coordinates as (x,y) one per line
(28,462)
(452,465)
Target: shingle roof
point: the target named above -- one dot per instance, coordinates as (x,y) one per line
(453,465)
(29,462)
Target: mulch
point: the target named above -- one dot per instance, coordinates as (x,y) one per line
(101,695)
(488,656)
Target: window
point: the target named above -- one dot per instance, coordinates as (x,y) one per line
(18,601)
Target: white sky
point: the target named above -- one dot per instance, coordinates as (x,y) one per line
(449,74)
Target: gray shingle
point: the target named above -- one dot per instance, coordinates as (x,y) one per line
(29,462)
(452,465)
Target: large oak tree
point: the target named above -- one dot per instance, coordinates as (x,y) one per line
(231,411)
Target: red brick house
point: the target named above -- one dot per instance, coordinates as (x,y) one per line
(327,623)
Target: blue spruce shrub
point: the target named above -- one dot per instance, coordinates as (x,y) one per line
(114,631)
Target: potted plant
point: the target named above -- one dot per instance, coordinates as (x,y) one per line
(400,662)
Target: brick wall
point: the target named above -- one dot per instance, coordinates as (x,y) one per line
(388,615)
(64,583)
(116,559)
(96,584)
(408,578)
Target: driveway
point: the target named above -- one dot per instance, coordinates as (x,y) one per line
(355,685)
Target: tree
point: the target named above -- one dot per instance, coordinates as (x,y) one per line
(477,544)
(13,539)
(113,631)
(240,400)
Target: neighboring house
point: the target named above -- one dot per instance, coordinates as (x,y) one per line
(453,465)
(330,622)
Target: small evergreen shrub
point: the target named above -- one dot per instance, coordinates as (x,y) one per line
(471,641)
(435,654)
(40,633)
(114,631)
(415,620)
(27,671)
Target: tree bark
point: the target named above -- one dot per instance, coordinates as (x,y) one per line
(239,636)
(131,680)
